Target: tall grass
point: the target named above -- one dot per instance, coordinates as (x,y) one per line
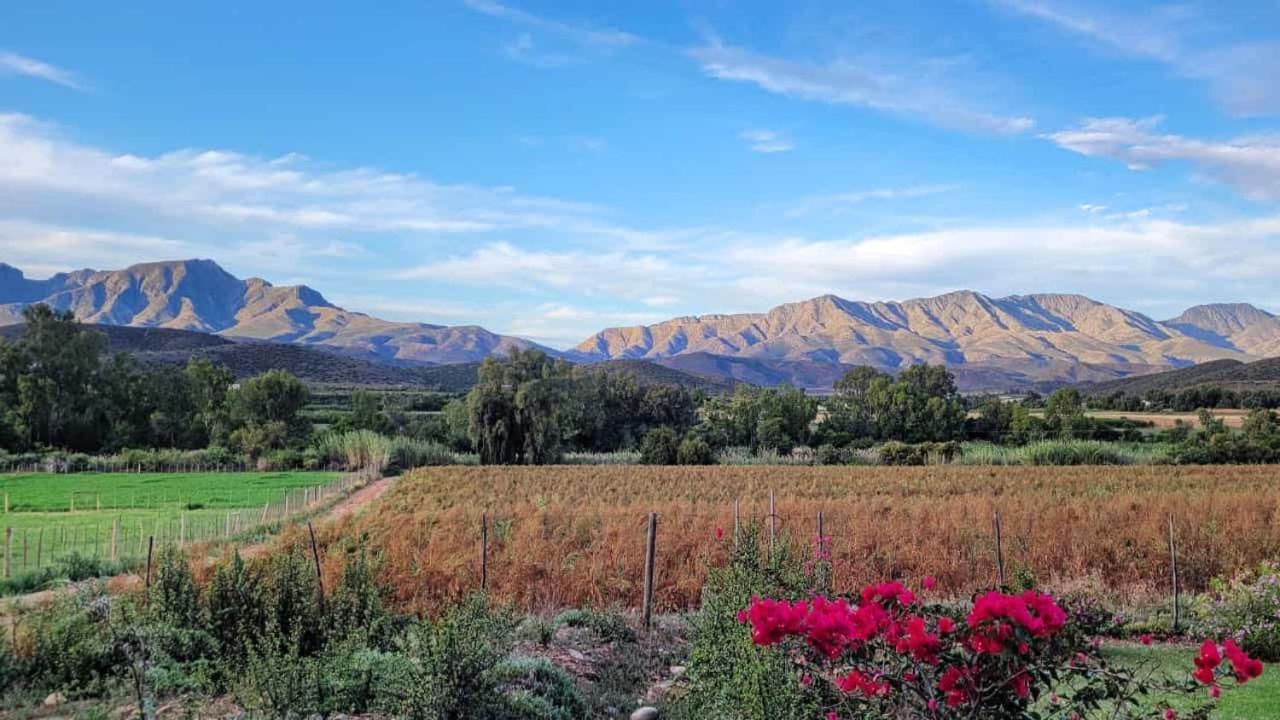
(1067,452)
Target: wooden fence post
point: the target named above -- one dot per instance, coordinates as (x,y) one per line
(315,554)
(39,547)
(999,553)
(115,540)
(773,524)
(737,521)
(650,554)
(151,544)
(484,551)
(1173,572)
(182,531)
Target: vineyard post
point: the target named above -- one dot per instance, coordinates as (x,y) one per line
(315,554)
(265,508)
(115,539)
(39,547)
(151,543)
(8,542)
(649,557)
(182,531)
(25,532)
(737,520)
(1173,572)
(999,553)
(773,524)
(484,552)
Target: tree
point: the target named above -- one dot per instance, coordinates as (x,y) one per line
(265,410)
(517,407)
(1064,414)
(366,412)
(208,385)
(660,446)
(59,367)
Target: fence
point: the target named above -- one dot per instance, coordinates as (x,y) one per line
(123,537)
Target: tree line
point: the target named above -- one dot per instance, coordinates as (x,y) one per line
(60,389)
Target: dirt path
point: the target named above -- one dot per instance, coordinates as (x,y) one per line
(351,504)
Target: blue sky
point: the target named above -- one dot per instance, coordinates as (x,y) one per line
(550,168)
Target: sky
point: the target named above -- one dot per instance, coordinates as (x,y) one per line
(548,169)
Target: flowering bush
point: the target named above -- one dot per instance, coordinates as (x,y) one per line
(889,655)
(1245,608)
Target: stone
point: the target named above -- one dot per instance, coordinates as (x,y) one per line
(645,713)
(54,699)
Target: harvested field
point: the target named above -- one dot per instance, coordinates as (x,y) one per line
(570,536)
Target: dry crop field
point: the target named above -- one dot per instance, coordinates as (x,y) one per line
(571,536)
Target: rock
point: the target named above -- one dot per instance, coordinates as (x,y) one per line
(645,713)
(55,699)
(677,670)
(576,655)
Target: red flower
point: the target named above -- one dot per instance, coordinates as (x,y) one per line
(954,685)
(1145,639)
(719,533)
(856,681)
(928,582)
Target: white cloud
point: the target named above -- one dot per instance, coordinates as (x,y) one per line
(767,141)
(585,34)
(922,89)
(1250,164)
(1234,72)
(1092,208)
(14,63)
(222,188)
(835,203)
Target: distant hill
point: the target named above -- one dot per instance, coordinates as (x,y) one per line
(198,295)
(1225,374)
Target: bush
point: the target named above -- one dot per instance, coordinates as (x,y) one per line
(695,451)
(68,647)
(727,675)
(660,446)
(535,689)
(456,661)
(929,453)
(1245,607)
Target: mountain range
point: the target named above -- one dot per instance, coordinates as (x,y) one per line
(1016,342)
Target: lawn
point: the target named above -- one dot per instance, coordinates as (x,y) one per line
(123,510)
(1259,700)
(50,492)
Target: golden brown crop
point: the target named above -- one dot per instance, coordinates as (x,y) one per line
(571,536)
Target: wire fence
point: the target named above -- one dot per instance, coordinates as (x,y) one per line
(121,533)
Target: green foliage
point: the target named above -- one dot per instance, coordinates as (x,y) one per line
(456,663)
(266,410)
(515,409)
(694,450)
(920,405)
(728,675)
(535,689)
(1245,607)
(70,648)
(930,453)
(660,446)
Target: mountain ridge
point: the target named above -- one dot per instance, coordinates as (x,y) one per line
(198,295)
(1036,340)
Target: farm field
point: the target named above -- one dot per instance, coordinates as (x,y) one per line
(125,509)
(1232,418)
(574,536)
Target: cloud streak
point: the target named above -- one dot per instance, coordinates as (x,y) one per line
(921,90)
(1249,164)
(13,63)
(1232,71)
(767,141)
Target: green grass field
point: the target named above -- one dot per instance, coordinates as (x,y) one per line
(1259,700)
(123,510)
(49,492)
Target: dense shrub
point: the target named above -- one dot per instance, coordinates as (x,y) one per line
(695,451)
(929,453)
(1245,607)
(660,446)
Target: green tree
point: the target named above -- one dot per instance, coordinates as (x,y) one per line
(265,410)
(517,408)
(56,388)
(208,385)
(1064,414)
(660,446)
(366,412)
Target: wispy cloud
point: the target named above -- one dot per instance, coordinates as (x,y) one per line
(835,203)
(767,141)
(921,89)
(569,41)
(1250,164)
(1167,35)
(13,63)
(585,34)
